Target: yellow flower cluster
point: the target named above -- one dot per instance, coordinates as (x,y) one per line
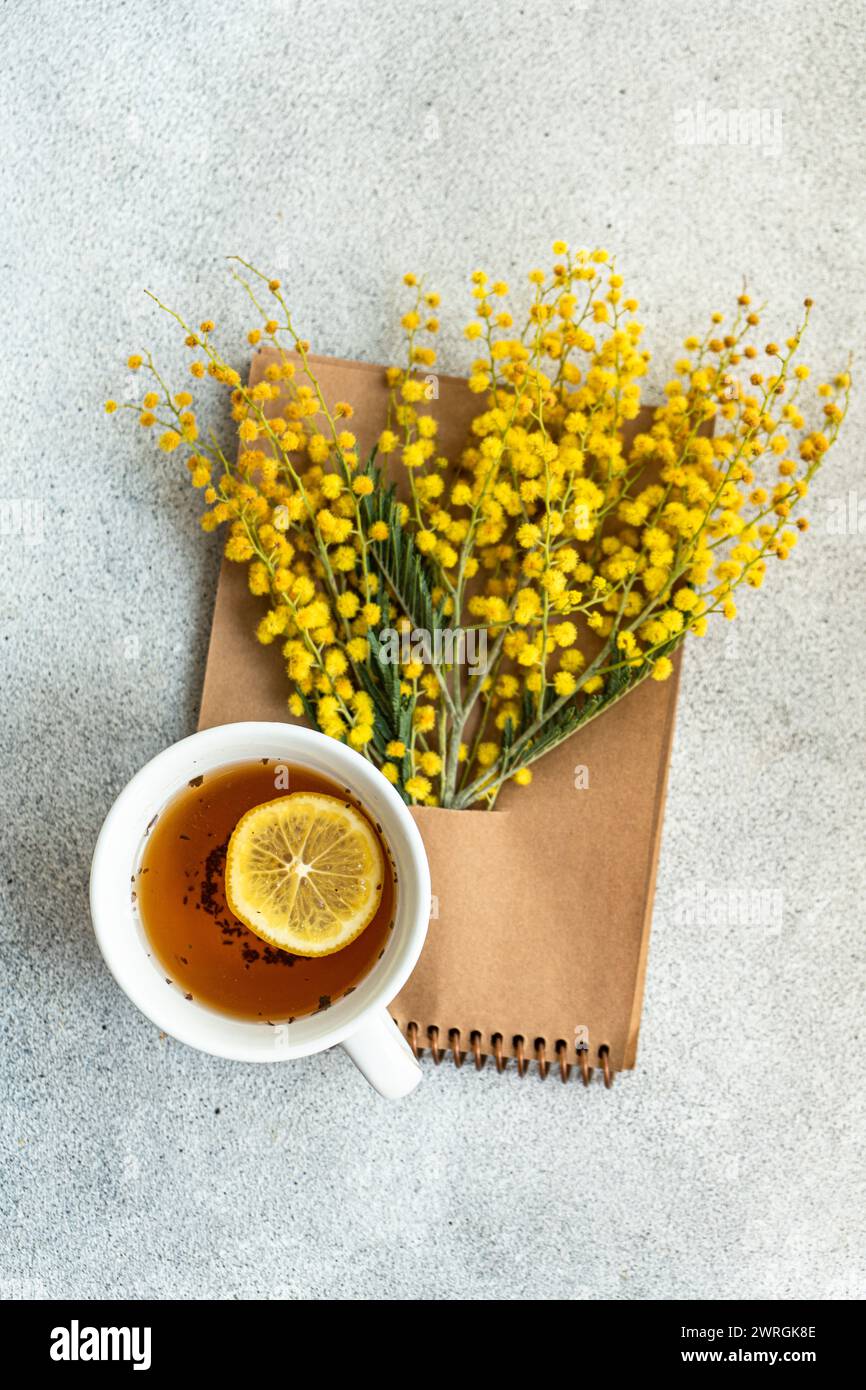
(583,539)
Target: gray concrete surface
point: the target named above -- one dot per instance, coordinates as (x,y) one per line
(340,144)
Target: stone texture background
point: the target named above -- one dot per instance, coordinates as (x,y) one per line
(341,144)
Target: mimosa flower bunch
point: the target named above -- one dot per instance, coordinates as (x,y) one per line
(577,549)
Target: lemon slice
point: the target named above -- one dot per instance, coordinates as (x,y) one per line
(305,873)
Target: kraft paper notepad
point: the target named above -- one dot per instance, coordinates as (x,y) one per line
(541,912)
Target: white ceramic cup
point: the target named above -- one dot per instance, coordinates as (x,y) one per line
(360,1021)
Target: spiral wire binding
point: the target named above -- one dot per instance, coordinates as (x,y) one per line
(518,1054)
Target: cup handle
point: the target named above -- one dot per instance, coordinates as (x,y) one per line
(383,1055)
